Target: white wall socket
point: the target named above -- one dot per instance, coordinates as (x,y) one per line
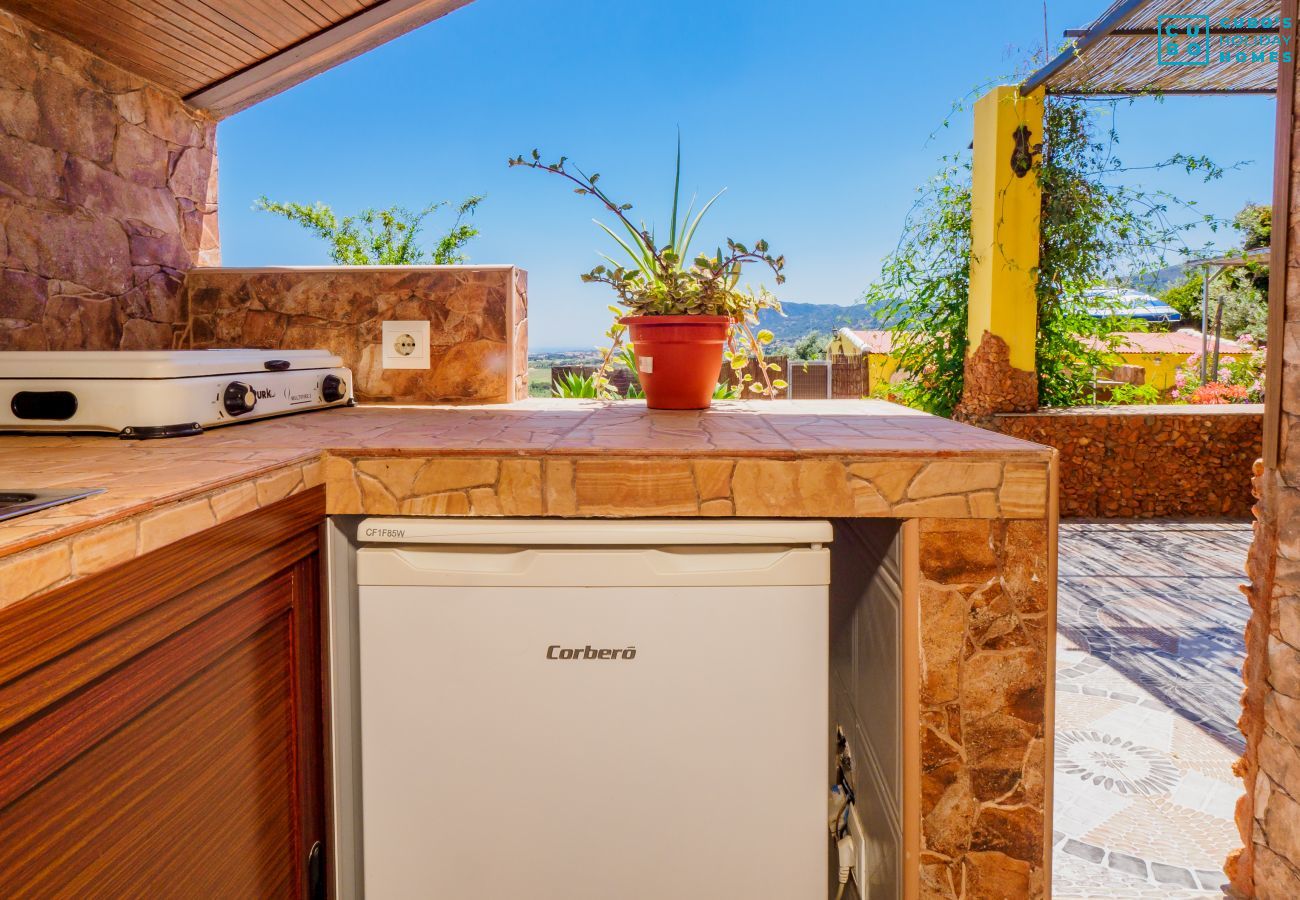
(406,345)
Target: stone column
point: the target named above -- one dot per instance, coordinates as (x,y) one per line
(1268,815)
(1006,204)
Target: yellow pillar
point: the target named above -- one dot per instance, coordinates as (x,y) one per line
(1005,214)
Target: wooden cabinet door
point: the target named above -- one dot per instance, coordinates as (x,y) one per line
(161,722)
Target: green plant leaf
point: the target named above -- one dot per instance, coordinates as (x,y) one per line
(638,259)
(677,190)
(689,234)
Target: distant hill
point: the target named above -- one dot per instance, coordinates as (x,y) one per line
(804,318)
(1159,281)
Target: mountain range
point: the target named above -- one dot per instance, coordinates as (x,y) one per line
(826,318)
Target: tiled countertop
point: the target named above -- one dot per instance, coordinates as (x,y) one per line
(541,457)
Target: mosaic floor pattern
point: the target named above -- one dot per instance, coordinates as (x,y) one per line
(1149,652)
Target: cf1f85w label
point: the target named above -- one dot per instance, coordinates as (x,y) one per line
(555,651)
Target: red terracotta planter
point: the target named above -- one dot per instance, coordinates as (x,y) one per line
(679,358)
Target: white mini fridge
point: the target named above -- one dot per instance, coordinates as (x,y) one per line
(587,709)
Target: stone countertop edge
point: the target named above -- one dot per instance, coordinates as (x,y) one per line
(382,461)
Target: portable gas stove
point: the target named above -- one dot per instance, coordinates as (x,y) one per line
(163,393)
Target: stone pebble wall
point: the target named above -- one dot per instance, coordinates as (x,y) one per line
(478,316)
(107,196)
(993,385)
(1168,462)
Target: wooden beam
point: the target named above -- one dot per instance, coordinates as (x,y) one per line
(353,36)
(1284,202)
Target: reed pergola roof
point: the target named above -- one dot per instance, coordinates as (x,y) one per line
(1117,55)
(226,55)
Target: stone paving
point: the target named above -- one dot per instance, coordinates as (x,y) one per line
(1149,652)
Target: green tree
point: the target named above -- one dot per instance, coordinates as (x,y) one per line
(1186,296)
(1245,309)
(1255,222)
(381,237)
(810,346)
(1095,226)
(1243,290)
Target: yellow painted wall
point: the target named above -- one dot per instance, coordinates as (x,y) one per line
(840,347)
(1160,367)
(880,366)
(1005,214)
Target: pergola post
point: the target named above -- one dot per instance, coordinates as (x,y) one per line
(1002,324)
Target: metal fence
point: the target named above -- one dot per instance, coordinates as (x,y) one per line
(837,378)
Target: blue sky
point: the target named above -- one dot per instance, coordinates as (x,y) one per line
(819,119)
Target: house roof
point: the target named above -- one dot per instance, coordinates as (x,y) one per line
(1154,342)
(1172,342)
(1120,53)
(225,55)
(869,341)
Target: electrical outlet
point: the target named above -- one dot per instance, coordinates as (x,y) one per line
(405,345)
(864,865)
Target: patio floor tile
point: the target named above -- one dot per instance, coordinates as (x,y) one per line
(1149,652)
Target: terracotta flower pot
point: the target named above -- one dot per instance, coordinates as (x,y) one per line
(679,358)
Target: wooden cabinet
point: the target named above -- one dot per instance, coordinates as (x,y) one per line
(161,722)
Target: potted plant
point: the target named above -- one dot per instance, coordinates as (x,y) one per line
(685,314)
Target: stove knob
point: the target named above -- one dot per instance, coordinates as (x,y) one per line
(332,388)
(239,398)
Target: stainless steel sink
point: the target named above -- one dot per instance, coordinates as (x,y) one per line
(15,503)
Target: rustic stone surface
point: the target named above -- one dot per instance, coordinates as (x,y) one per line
(474,357)
(1148,462)
(235,502)
(984,630)
(1281,821)
(992,385)
(1268,864)
(955,478)
(92,200)
(992,874)
(985,594)
(661,487)
(36,570)
(1283,667)
(158,529)
(135,525)
(1278,758)
(580,486)
(1274,875)
(103,548)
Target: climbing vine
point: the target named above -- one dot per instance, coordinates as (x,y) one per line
(1098,226)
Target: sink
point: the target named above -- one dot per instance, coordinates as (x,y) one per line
(20,502)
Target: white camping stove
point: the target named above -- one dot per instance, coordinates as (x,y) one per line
(163,393)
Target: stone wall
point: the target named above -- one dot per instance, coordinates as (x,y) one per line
(107,195)
(986,619)
(1148,461)
(478,316)
(992,385)
(1268,815)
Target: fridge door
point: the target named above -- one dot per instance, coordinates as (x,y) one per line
(592,742)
